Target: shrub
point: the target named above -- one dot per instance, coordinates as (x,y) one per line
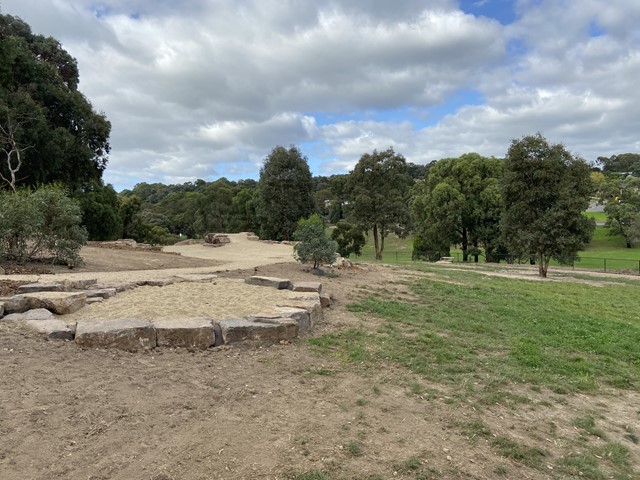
(44,223)
(313,244)
(349,237)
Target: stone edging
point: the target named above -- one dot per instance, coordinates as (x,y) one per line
(35,304)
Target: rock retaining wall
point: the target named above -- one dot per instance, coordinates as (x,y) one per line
(284,322)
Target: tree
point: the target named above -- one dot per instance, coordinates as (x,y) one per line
(461,203)
(622,206)
(545,190)
(100,215)
(285,193)
(60,137)
(625,163)
(349,237)
(313,244)
(378,188)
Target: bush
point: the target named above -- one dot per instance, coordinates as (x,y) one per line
(349,237)
(313,244)
(41,224)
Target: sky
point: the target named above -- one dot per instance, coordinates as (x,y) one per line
(207,88)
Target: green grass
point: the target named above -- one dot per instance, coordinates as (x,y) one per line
(597,216)
(562,336)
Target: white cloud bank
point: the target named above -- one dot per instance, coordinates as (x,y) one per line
(201,89)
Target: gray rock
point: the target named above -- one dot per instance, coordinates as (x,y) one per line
(253,238)
(307,287)
(191,333)
(53,329)
(241,330)
(94,300)
(79,284)
(41,287)
(1,309)
(123,287)
(101,292)
(279,283)
(62,303)
(15,304)
(153,283)
(39,314)
(313,307)
(325,300)
(129,334)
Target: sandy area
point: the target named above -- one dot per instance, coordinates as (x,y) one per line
(217,299)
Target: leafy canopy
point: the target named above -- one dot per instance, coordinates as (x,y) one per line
(545,191)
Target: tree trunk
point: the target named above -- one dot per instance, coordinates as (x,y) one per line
(475,245)
(376,246)
(543,265)
(383,234)
(465,245)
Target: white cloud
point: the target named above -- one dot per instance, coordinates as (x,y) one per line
(207,88)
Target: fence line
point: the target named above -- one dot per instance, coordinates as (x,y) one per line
(614,265)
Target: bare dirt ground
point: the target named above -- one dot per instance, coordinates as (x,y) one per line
(254,413)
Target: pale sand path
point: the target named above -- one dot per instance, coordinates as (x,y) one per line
(240,254)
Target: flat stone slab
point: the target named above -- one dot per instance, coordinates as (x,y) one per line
(307,287)
(62,303)
(191,333)
(240,330)
(129,334)
(197,277)
(79,284)
(53,329)
(101,292)
(279,283)
(36,315)
(312,307)
(279,315)
(15,304)
(1,309)
(94,300)
(41,287)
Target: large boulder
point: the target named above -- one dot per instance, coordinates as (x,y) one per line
(279,283)
(129,334)
(62,303)
(37,315)
(279,315)
(241,329)
(191,333)
(15,304)
(312,306)
(53,329)
(100,293)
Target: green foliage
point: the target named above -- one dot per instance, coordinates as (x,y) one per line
(545,191)
(349,237)
(285,193)
(622,207)
(100,211)
(460,202)
(378,190)
(624,163)
(62,139)
(313,244)
(41,224)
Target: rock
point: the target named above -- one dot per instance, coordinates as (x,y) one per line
(54,329)
(101,292)
(93,300)
(312,307)
(62,303)
(153,283)
(216,239)
(240,330)
(191,333)
(307,287)
(218,335)
(317,271)
(325,300)
(2,272)
(41,287)
(123,287)
(15,304)
(197,277)
(253,238)
(279,283)
(1,309)
(129,334)
(79,284)
(279,315)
